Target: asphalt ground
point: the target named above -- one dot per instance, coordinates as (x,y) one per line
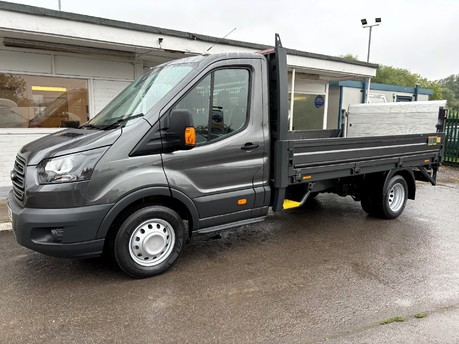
(327,273)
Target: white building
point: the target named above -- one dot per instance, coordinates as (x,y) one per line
(57,69)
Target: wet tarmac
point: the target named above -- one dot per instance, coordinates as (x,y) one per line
(327,273)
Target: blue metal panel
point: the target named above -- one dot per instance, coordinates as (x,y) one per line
(382,87)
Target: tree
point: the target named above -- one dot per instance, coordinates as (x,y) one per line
(452,83)
(403,77)
(395,76)
(12,87)
(447,88)
(451,87)
(350,57)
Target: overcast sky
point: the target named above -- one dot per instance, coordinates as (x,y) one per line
(419,35)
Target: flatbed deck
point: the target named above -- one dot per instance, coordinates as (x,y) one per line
(321,159)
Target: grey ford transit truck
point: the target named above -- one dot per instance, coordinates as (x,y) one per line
(194,146)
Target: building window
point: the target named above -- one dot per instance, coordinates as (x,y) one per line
(308,106)
(30,101)
(375,98)
(308,111)
(403,99)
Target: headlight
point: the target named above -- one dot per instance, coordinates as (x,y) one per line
(69,168)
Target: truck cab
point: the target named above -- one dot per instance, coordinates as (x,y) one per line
(73,189)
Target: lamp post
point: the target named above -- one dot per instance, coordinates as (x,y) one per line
(366,25)
(366,98)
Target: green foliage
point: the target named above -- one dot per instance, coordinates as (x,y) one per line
(451,90)
(395,76)
(452,83)
(12,88)
(452,99)
(350,57)
(443,89)
(447,88)
(420,315)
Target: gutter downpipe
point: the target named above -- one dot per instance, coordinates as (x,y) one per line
(416,93)
(366,90)
(340,105)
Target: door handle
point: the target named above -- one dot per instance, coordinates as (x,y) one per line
(249,146)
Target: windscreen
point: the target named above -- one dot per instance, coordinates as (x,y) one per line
(139,97)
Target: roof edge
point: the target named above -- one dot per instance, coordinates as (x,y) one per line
(33,10)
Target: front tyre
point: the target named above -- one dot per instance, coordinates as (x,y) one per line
(149,241)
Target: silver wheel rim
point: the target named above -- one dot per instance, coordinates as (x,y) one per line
(152,242)
(396,197)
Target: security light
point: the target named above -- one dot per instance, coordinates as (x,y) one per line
(365,25)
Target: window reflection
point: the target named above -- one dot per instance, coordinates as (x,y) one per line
(308,111)
(226,111)
(40,101)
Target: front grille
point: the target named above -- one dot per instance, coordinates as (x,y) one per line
(19,180)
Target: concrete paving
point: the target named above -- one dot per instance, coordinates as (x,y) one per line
(324,274)
(4,192)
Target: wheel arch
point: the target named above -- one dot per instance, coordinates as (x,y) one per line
(408,175)
(144,197)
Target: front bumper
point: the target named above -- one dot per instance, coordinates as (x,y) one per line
(67,233)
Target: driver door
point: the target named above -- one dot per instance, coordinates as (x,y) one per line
(223,174)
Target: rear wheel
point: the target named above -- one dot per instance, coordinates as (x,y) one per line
(386,201)
(149,241)
(394,197)
(367,205)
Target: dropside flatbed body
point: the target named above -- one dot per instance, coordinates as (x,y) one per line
(319,159)
(314,156)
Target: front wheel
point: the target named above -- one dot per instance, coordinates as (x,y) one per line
(149,241)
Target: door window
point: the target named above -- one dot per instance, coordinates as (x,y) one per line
(219,102)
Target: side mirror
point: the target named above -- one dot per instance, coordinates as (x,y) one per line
(181,134)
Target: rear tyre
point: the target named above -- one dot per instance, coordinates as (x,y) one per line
(385,201)
(394,198)
(149,241)
(367,204)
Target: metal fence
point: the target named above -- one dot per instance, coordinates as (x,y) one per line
(451,155)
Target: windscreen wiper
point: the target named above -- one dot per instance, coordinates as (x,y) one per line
(89,126)
(120,121)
